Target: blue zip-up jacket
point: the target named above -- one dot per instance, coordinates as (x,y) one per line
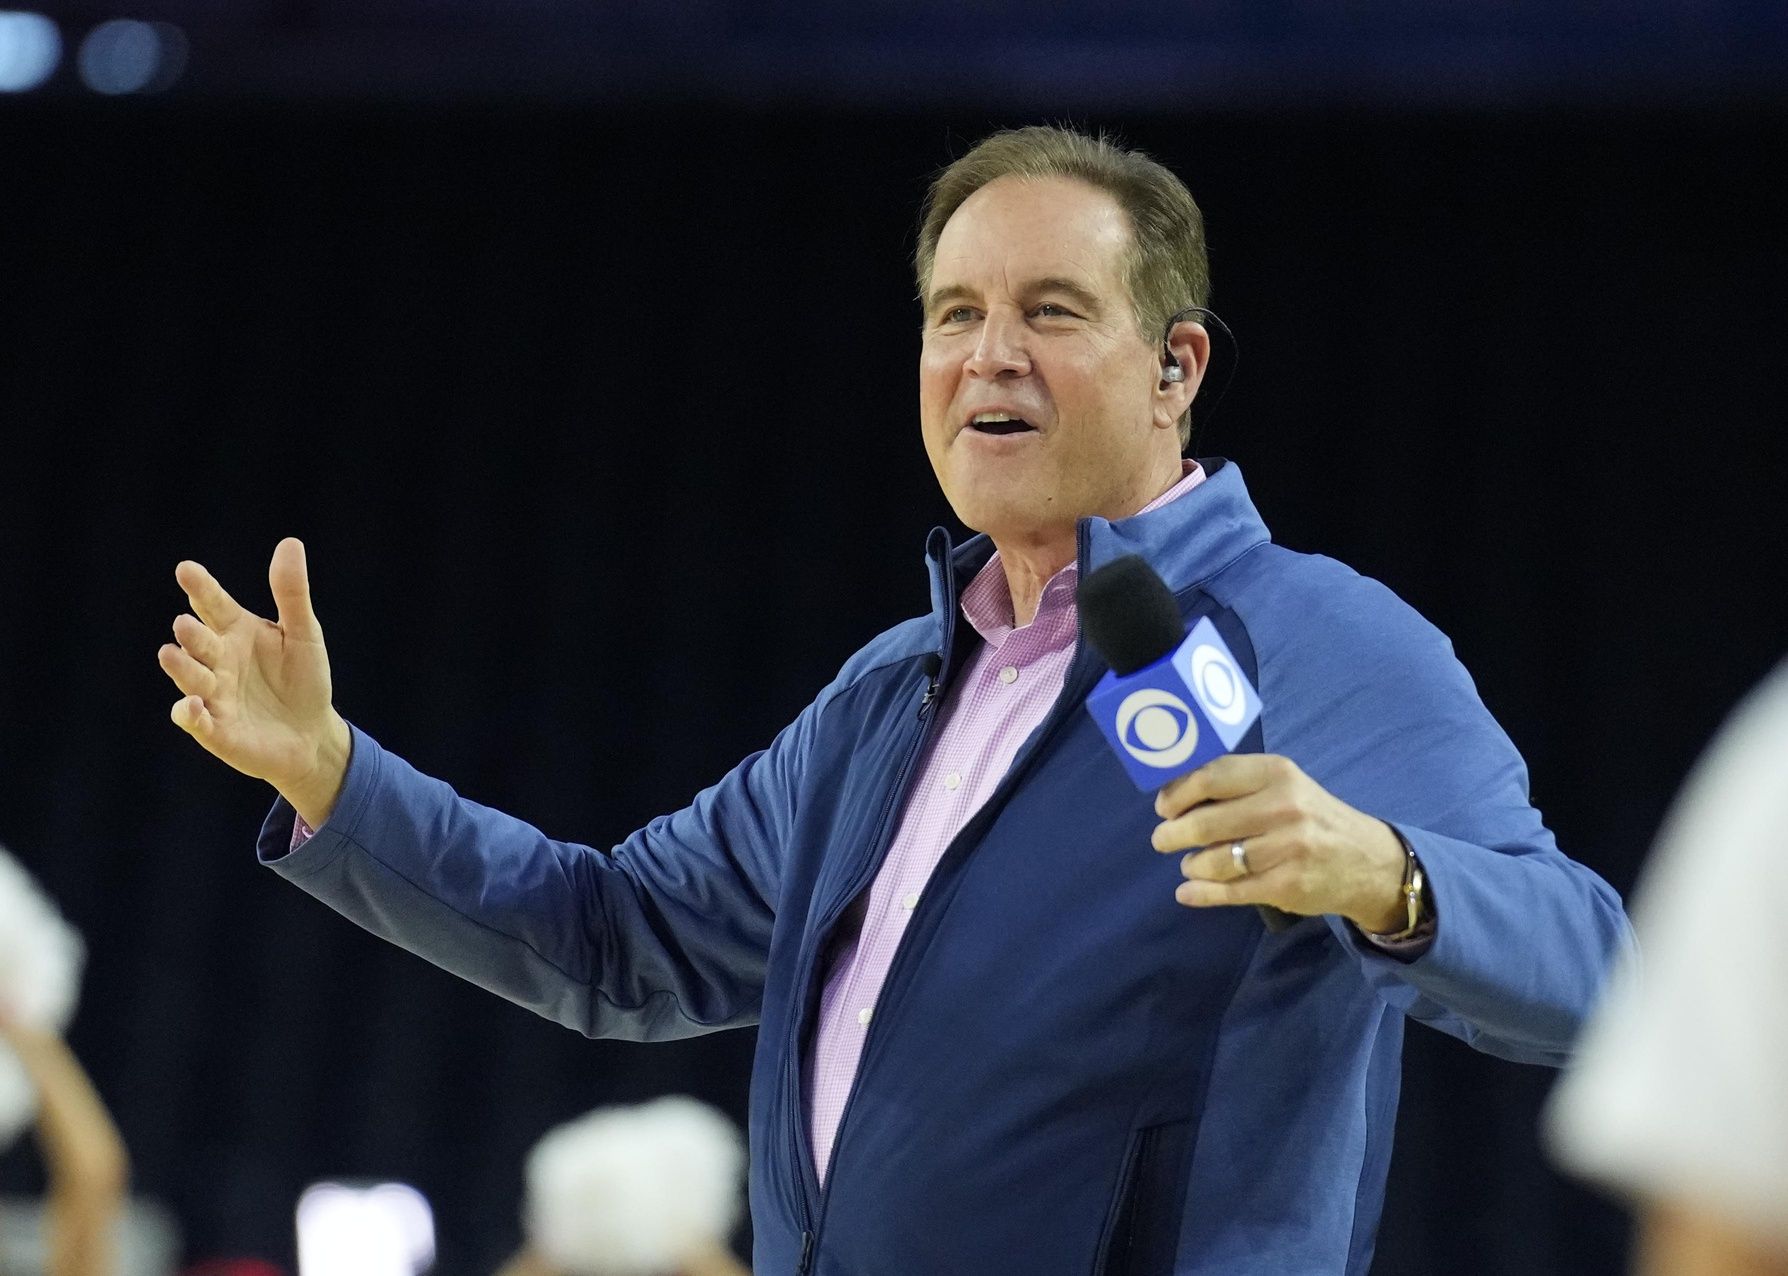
(1067,1071)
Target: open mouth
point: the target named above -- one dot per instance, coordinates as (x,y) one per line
(1000,423)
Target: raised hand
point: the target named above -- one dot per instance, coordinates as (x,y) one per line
(256,692)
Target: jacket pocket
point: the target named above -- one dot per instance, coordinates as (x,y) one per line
(1142,1228)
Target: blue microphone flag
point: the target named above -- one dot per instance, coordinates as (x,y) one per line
(1174,715)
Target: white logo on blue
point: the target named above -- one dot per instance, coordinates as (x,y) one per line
(1229,703)
(1156,727)
(1178,712)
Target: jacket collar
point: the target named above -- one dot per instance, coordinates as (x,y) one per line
(1187,541)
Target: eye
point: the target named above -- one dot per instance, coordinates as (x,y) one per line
(1054,310)
(957,314)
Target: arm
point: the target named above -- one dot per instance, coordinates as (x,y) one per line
(1525,937)
(88,1169)
(665,935)
(1683,1240)
(1384,741)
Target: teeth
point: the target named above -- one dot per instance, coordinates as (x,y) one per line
(988,418)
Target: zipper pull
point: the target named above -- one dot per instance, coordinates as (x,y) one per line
(806,1253)
(933,665)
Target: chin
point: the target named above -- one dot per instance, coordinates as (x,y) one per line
(1004,505)
(1006,519)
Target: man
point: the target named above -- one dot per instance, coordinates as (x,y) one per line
(996,1033)
(1678,1100)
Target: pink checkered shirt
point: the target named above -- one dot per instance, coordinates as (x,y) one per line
(1000,697)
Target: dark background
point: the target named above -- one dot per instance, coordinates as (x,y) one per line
(596,412)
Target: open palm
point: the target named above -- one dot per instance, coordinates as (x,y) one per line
(256,692)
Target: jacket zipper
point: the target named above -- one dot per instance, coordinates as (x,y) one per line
(1074,690)
(800,1138)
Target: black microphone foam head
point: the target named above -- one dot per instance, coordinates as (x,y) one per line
(1129,614)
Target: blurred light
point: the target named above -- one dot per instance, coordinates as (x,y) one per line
(382,1229)
(126,56)
(30,47)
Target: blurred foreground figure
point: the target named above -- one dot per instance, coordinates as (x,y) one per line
(84,1158)
(645,1191)
(1681,1097)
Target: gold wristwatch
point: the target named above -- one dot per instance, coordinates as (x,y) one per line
(1415,894)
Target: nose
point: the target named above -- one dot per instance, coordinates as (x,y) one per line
(1000,351)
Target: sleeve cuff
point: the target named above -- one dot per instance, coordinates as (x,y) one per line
(291,847)
(1409,946)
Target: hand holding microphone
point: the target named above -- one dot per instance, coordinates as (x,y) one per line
(1253,828)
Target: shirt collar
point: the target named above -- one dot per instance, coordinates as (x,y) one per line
(987,599)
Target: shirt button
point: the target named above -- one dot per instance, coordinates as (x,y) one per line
(1009,675)
(953,780)
(910,902)
(863,1015)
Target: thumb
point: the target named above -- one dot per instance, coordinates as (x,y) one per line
(290,580)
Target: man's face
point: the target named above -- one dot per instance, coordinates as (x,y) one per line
(1028,317)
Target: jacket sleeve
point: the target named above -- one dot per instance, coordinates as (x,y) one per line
(664,936)
(1371,702)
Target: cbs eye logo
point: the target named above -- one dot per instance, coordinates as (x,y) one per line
(1156,727)
(1218,684)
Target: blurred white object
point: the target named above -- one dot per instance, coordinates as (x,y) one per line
(30,48)
(1678,1091)
(129,56)
(632,1191)
(40,976)
(372,1229)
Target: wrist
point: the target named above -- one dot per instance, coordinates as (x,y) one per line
(1384,907)
(314,796)
(1387,922)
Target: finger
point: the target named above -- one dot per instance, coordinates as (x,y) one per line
(188,674)
(289,577)
(1231,776)
(1224,820)
(1256,888)
(1217,864)
(192,717)
(210,601)
(199,642)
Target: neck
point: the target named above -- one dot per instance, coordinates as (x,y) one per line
(1031,557)
(1028,564)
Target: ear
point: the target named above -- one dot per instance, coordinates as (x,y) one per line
(1189,346)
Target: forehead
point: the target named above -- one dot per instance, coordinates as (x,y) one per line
(1017,228)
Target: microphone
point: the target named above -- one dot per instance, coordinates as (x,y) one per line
(1173,700)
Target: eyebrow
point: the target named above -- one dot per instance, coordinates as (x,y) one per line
(1078,293)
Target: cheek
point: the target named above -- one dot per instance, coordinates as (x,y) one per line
(1107,391)
(937,367)
(937,390)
